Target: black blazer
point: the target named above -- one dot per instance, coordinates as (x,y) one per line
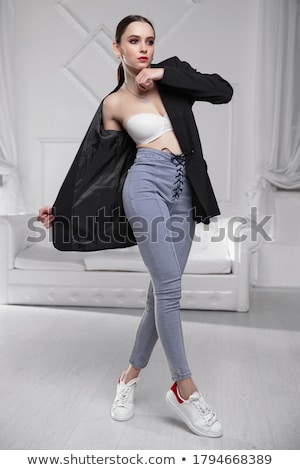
(88,210)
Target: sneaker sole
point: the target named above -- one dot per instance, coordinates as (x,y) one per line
(127,418)
(170,402)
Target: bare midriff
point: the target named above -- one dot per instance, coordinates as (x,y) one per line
(166,141)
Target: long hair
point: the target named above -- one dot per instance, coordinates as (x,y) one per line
(120,30)
(120,74)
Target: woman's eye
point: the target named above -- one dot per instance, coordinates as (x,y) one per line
(135,41)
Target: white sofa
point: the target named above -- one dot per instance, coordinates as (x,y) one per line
(33,272)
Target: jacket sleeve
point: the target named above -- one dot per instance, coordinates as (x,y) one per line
(196,85)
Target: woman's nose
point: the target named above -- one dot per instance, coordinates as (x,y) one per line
(144,47)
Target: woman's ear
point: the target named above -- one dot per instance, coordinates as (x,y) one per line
(116,49)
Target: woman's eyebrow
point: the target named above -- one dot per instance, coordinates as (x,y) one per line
(137,36)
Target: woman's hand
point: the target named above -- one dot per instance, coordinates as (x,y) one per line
(145,78)
(45,216)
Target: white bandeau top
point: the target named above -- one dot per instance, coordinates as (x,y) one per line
(146,127)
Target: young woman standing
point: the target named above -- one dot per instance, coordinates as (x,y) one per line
(166,191)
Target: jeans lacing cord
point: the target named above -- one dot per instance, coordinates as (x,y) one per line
(180,161)
(178,182)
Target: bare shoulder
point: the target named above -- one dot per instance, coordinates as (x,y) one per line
(111,100)
(111,105)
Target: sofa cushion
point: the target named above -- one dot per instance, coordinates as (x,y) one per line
(118,259)
(206,257)
(46,257)
(213,259)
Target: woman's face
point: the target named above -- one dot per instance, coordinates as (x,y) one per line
(136,46)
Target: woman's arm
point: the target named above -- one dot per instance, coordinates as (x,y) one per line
(199,86)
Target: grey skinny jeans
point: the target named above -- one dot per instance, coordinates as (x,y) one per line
(157,201)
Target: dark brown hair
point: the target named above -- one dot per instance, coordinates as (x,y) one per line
(120,30)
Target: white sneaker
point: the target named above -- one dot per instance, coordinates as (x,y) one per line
(123,406)
(195,413)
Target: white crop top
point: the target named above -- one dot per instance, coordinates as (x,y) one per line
(146,127)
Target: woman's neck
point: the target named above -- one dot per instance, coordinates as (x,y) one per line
(130,84)
(129,78)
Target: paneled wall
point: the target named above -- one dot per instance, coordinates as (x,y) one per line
(65,66)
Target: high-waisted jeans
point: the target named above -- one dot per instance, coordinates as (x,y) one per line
(157,201)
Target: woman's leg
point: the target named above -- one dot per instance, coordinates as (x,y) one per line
(146,336)
(164,246)
(162,224)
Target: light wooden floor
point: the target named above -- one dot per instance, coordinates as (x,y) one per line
(59,369)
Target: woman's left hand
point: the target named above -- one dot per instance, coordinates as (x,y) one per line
(145,78)
(45,216)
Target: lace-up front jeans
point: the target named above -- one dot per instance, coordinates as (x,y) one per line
(157,201)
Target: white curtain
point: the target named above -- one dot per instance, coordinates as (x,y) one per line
(10,198)
(277,132)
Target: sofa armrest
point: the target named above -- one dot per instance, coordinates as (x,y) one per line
(14,232)
(238,243)
(237,232)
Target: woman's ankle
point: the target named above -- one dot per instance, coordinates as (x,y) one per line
(130,374)
(186,388)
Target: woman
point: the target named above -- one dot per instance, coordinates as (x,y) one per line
(166,191)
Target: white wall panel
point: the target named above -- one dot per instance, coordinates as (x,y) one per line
(65,66)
